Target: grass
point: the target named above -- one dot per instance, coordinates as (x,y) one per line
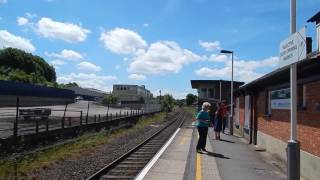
(85,143)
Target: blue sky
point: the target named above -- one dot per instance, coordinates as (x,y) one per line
(161,44)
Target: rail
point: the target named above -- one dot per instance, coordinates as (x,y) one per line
(140,164)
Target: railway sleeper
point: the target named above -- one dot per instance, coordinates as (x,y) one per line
(130,166)
(105,177)
(128,172)
(144,152)
(139,158)
(134,162)
(142,156)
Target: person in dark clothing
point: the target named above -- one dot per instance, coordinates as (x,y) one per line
(202,123)
(224,115)
(218,121)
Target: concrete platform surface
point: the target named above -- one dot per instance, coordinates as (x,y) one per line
(227,159)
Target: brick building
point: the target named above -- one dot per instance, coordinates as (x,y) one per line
(262,111)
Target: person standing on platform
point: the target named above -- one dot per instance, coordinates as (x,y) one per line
(224,115)
(202,123)
(217,125)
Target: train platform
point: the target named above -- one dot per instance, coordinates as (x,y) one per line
(227,159)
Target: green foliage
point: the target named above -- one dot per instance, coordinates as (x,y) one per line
(17,65)
(110,99)
(70,84)
(167,103)
(190,99)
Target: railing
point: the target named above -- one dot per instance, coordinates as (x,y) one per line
(13,124)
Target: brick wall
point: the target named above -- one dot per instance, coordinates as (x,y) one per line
(278,125)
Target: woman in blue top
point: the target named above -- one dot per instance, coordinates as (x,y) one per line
(202,123)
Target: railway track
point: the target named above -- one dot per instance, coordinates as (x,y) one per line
(130,164)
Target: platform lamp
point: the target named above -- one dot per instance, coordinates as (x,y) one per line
(231,94)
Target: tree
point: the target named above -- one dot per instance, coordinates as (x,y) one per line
(190,99)
(109,99)
(18,65)
(167,103)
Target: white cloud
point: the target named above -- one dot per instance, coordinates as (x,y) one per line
(9,40)
(88,66)
(118,66)
(66,54)
(122,41)
(217,58)
(3,1)
(61,30)
(88,80)
(161,58)
(137,77)
(22,21)
(210,46)
(243,70)
(57,62)
(146,25)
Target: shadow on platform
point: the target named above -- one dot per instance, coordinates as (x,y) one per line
(217,155)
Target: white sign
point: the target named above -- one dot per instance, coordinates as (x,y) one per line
(293,49)
(280,99)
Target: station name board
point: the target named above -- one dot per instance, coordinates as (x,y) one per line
(293,48)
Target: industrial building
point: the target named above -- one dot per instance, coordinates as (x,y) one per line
(132,94)
(32,95)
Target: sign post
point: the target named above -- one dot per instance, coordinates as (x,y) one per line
(292,50)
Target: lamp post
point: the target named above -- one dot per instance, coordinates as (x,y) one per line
(231,94)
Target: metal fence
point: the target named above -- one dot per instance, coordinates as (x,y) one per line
(21,120)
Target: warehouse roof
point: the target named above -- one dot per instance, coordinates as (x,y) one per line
(24,89)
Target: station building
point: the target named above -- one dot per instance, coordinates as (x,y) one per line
(132,94)
(262,111)
(213,90)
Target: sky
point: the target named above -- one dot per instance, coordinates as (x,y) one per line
(162,44)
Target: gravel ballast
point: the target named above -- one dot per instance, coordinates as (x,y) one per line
(85,164)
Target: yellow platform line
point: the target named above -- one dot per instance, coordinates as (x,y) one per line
(198,165)
(198,169)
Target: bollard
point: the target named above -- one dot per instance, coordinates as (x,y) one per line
(99,118)
(111,116)
(95,118)
(69,120)
(127,113)
(116,115)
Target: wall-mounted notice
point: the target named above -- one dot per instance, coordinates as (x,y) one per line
(280,99)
